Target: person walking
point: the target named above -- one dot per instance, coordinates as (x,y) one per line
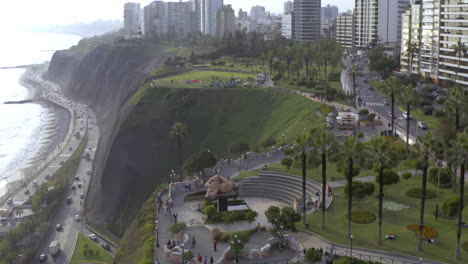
(205,260)
(200,258)
(215,245)
(194,242)
(211,260)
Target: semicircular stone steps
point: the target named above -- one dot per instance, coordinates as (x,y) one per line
(279,186)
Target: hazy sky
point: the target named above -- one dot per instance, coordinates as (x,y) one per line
(26,13)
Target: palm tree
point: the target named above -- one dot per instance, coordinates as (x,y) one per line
(179,131)
(424,148)
(408,98)
(325,146)
(384,156)
(393,87)
(455,103)
(460,153)
(300,153)
(412,48)
(352,155)
(354,70)
(459,49)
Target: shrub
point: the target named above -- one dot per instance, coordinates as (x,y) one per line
(363,112)
(439,113)
(360,189)
(445,177)
(287,162)
(347,260)
(363,217)
(428,110)
(313,255)
(417,193)
(427,233)
(465,246)
(407,175)
(268,142)
(450,206)
(360,134)
(199,161)
(371,117)
(390,177)
(210,211)
(216,233)
(177,227)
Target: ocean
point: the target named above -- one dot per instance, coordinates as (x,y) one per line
(23,127)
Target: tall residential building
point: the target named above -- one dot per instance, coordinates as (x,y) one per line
(225,20)
(288,7)
(168,19)
(306,20)
(179,17)
(132,18)
(257,13)
(345,31)
(286,26)
(410,35)
(329,12)
(242,15)
(154,20)
(208,12)
(379,21)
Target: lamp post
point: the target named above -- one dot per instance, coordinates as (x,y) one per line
(281,234)
(157,232)
(351,238)
(420,260)
(236,244)
(183,253)
(172,176)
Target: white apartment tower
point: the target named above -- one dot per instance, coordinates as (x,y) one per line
(288,7)
(306,20)
(286,26)
(208,11)
(225,20)
(345,31)
(409,61)
(132,18)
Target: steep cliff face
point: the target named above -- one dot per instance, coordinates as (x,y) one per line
(103,78)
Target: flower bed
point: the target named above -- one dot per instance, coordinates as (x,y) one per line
(428,232)
(394,207)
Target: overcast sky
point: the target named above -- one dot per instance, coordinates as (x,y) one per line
(27,13)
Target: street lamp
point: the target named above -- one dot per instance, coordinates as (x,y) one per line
(183,251)
(236,244)
(281,234)
(157,232)
(420,260)
(351,238)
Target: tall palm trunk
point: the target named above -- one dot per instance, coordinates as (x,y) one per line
(423,203)
(304,171)
(393,113)
(407,128)
(324,187)
(179,145)
(381,194)
(354,85)
(454,184)
(307,61)
(460,208)
(457,119)
(350,193)
(410,70)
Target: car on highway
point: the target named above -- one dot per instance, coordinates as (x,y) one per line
(422,125)
(81,195)
(406,116)
(69,200)
(62,162)
(88,172)
(92,237)
(58,227)
(77,178)
(105,246)
(73,187)
(43,257)
(80,185)
(77,218)
(10,201)
(371,88)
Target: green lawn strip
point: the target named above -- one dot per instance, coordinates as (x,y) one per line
(206,78)
(365,235)
(88,251)
(106,234)
(431,120)
(312,173)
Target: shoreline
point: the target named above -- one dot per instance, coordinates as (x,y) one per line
(53,130)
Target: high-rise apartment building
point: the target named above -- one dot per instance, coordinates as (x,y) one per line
(345,31)
(242,15)
(286,26)
(288,7)
(132,18)
(329,12)
(168,19)
(154,19)
(225,20)
(257,13)
(208,11)
(410,35)
(443,23)
(306,20)
(379,21)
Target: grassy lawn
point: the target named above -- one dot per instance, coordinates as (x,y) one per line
(396,222)
(431,120)
(312,173)
(88,251)
(206,78)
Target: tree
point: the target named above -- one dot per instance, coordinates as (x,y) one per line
(408,97)
(424,148)
(239,148)
(411,49)
(285,217)
(179,131)
(460,149)
(324,145)
(392,87)
(251,216)
(199,161)
(360,189)
(459,50)
(287,162)
(455,104)
(354,70)
(351,154)
(300,153)
(384,156)
(313,255)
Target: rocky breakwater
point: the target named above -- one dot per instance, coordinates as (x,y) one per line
(104,78)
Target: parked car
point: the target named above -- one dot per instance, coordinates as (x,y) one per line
(80,185)
(62,162)
(422,125)
(10,201)
(69,200)
(43,257)
(105,246)
(88,172)
(406,116)
(92,237)
(73,187)
(77,178)
(58,227)
(77,218)
(81,195)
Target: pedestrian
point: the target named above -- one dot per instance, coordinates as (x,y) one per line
(215,245)
(316,204)
(200,259)
(211,260)
(160,203)
(329,191)
(205,260)
(317,196)
(194,242)
(165,207)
